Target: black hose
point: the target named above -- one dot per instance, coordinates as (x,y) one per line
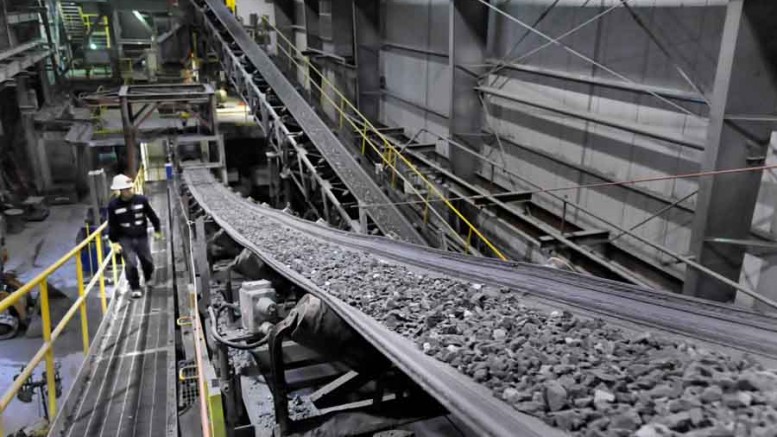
(217,335)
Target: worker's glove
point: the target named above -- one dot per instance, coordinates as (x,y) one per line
(116,247)
(158,236)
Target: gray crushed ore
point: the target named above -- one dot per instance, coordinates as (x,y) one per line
(240,360)
(580,375)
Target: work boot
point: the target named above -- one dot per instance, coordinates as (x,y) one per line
(137,293)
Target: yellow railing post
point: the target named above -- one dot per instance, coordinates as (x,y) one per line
(115,271)
(394,173)
(342,111)
(45,314)
(103,298)
(89,249)
(426,208)
(364,139)
(84,319)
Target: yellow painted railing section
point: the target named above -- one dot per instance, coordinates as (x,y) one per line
(388,153)
(46,351)
(101,24)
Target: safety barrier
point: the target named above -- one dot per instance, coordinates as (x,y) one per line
(389,154)
(46,351)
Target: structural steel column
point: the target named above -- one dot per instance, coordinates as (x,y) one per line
(115,34)
(45,85)
(467,47)
(284,22)
(366,24)
(342,28)
(130,134)
(27,110)
(726,203)
(313,32)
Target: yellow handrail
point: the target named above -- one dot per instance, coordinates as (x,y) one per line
(50,336)
(390,154)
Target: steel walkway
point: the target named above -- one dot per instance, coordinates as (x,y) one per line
(388,217)
(127,385)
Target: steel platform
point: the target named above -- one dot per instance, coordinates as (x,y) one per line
(127,385)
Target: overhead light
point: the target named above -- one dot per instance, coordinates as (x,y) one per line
(93,46)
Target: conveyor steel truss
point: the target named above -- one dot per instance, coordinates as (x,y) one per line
(292,127)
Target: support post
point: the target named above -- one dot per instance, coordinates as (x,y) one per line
(130,134)
(201,260)
(84,319)
(27,109)
(45,85)
(94,196)
(342,27)
(467,46)
(114,26)
(744,84)
(313,32)
(45,315)
(100,255)
(284,22)
(366,25)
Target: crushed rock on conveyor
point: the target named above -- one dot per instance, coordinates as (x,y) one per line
(577,374)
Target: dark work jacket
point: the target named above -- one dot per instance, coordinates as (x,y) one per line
(129,218)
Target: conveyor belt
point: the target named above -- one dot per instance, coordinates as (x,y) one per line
(723,325)
(727,327)
(127,385)
(388,218)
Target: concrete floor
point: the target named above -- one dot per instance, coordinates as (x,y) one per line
(30,252)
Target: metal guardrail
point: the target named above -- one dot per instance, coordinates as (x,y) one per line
(46,351)
(211,409)
(388,153)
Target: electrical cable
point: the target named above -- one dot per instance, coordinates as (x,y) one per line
(217,335)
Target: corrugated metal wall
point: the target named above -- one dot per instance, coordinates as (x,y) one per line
(678,53)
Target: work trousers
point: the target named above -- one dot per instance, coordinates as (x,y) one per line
(134,249)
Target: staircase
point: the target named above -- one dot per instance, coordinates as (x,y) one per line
(74,24)
(77,25)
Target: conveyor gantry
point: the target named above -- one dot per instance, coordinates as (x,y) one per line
(259,81)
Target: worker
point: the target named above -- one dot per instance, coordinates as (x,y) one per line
(128,216)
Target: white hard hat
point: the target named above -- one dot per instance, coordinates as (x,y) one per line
(121,182)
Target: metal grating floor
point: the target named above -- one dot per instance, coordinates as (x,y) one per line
(127,386)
